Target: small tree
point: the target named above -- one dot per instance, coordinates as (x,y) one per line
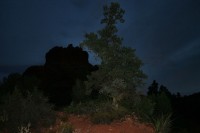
(119,71)
(161,96)
(153,88)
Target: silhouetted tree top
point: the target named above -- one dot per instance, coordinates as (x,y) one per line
(154,89)
(165,90)
(9,83)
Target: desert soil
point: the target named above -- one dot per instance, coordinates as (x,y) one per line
(82,124)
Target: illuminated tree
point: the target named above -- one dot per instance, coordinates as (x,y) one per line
(119,72)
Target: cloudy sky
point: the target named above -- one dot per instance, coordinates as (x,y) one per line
(165,34)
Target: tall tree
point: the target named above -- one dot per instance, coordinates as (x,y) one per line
(153,88)
(119,72)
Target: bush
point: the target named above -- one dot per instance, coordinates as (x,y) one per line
(141,106)
(78,91)
(106,113)
(23,109)
(144,108)
(107,117)
(86,107)
(162,124)
(161,118)
(102,117)
(162,104)
(66,128)
(100,110)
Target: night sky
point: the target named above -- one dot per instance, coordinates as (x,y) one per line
(165,34)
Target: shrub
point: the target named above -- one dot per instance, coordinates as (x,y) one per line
(162,124)
(31,108)
(106,113)
(100,110)
(86,107)
(78,91)
(161,118)
(66,128)
(102,117)
(144,108)
(141,106)
(162,104)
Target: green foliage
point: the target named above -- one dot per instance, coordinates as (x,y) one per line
(161,117)
(153,109)
(66,128)
(106,113)
(102,117)
(3,116)
(118,85)
(28,83)
(86,107)
(162,104)
(162,124)
(15,80)
(21,110)
(144,108)
(119,72)
(161,96)
(100,111)
(8,84)
(130,101)
(141,106)
(153,88)
(78,91)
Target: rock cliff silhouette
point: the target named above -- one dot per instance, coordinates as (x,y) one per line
(58,75)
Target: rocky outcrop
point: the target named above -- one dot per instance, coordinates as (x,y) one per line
(58,75)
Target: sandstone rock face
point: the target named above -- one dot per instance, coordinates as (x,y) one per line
(58,75)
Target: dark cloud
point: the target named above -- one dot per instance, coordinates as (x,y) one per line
(165,34)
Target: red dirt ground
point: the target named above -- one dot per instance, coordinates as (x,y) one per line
(82,124)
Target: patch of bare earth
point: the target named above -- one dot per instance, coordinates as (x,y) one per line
(82,124)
